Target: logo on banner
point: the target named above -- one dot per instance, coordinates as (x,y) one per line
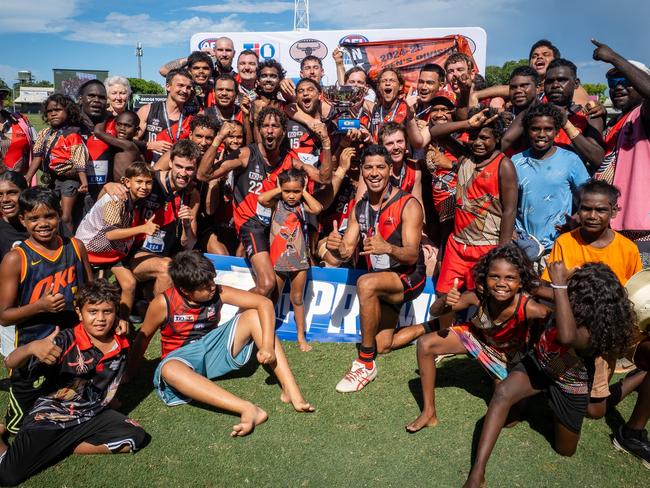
(307,47)
(207,43)
(265,51)
(352,38)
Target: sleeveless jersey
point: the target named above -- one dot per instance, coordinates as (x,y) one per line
(289,238)
(380,116)
(478,205)
(607,168)
(215,114)
(561,363)
(511,334)
(303,142)
(38,272)
(164,204)
(341,207)
(161,128)
(406,179)
(579,120)
(187,322)
(257,177)
(388,222)
(15,144)
(99,168)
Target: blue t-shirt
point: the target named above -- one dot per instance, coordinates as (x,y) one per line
(546,189)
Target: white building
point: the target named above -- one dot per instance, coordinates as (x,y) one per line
(31,98)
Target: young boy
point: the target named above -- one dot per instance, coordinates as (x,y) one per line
(595,242)
(125,150)
(197,349)
(547,175)
(38,280)
(84,366)
(108,230)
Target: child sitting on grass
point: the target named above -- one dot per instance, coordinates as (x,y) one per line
(593,317)
(496,335)
(196,348)
(84,366)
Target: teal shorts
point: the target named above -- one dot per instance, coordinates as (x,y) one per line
(211,356)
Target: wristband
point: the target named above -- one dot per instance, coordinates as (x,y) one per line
(559,287)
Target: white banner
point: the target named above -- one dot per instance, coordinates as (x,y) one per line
(289,47)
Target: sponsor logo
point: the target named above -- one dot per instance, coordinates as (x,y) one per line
(183,318)
(265,50)
(207,44)
(307,47)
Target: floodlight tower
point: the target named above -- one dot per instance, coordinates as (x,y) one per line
(139,52)
(301,15)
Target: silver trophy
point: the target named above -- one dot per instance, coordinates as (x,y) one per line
(343,100)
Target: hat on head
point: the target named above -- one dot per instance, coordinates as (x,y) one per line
(443,98)
(638,64)
(6,91)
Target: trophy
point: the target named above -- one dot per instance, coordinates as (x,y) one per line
(343,100)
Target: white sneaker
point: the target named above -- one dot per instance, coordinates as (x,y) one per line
(358,377)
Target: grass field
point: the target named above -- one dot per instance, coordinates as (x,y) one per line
(352,440)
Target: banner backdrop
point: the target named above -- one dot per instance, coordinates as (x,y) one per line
(407,55)
(331,304)
(290,47)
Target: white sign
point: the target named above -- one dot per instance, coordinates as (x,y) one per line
(289,47)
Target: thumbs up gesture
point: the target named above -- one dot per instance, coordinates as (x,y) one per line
(51,302)
(46,350)
(334,239)
(453,295)
(149,227)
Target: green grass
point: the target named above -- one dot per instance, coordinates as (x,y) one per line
(352,440)
(37,121)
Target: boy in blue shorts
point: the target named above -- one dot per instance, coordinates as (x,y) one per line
(197,348)
(84,366)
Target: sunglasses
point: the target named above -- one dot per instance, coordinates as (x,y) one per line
(620,80)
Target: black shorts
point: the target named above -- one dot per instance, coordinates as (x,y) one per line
(413,282)
(22,395)
(36,449)
(569,409)
(255,238)
(64,187)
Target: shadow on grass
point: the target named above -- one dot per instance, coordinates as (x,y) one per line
(138,388)
(460,372)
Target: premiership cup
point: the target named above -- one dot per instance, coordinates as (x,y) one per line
(343,99)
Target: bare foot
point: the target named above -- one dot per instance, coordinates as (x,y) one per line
(304,347)
(299,404)
(472,482)
(424,420)
(248,421)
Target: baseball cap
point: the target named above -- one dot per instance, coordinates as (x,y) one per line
(443,98)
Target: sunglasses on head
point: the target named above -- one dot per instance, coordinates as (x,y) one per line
(619,80)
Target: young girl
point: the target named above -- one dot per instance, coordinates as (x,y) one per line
(62,154)
(593,317)
(289,246)
(497,333)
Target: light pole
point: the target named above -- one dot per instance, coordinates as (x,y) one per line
(138,54)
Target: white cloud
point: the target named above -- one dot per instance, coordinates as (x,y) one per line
(36,15)
(120,29)
(232,7)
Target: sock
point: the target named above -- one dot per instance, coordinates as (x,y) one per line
(615,394)
(367,356)
(431,325)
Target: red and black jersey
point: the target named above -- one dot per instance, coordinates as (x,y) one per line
(304,143)
(80,385)
(161,128)
(580,121)
(187,322)
(99,169)
(340,209)
(406,179)
(215,114)
(164,203)
(380,116)
(252,180)
(64,271)
(388,222)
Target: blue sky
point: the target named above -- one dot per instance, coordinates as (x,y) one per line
(39,35)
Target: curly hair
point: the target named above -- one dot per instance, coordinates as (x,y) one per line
(512,254)
(277,114)
(72,110)
(271,63)
(600,304)
(544,110)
